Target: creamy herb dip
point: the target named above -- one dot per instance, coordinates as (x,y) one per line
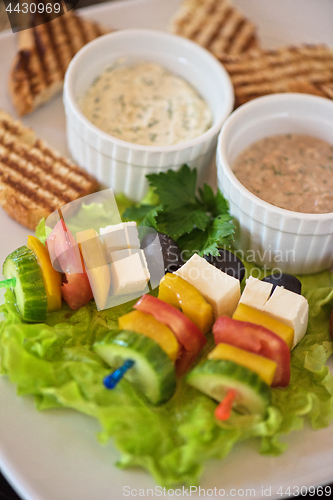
(146,104)
(290,171)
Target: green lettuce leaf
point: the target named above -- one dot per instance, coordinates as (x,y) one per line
(42,231)
(91,213)
(54,362)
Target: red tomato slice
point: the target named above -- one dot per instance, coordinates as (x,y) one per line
(63,249)
(188,334)
(257,339)
(76,290)
(185,360)
(66,258)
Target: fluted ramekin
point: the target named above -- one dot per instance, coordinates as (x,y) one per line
(289,241)
(122,165)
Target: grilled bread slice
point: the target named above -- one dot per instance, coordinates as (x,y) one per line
(304,68)
(17,129)
(34,180)
(44,53)
(215,25)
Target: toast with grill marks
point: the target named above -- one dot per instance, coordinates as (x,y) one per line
(304,68)
(44,53)
(16,128)
(215,25)
(34,180)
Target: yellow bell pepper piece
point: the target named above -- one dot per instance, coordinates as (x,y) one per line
(52,279)
(146,324)
(262,366)
(247,313)
(179,293)
(96,264)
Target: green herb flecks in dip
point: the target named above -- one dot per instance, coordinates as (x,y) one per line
(146,104)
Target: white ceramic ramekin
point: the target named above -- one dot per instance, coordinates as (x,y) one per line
(122,165)
(270,236)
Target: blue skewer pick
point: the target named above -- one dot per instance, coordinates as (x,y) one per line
(10,283)
(110,381)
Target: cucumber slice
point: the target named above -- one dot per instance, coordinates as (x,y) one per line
(153,372)
(30,293)
(237,420)
(215,377)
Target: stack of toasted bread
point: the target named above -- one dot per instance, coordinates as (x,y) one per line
(44,53)
(254,71)
(34,180)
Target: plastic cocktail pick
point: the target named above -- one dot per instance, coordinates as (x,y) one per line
(10,283)
(110,381)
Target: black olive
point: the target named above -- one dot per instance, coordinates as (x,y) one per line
(153,243)
(288,282)
(228,262)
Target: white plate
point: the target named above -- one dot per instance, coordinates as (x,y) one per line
(55,455)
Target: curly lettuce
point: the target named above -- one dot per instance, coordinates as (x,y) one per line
(54,362)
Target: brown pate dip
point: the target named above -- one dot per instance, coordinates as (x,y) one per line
(290,171)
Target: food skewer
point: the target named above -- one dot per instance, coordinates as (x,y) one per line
(162,336)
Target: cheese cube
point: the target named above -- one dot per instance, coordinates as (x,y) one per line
(129,275)
(220,290)
(256,293)
(127,252)
(120,236)
(290,308)
(283,305)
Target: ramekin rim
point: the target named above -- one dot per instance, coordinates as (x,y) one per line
(205,137)
(222,161)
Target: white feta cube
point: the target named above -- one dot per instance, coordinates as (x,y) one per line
(127,252)
(289,308)
(120,236)
(220,290)
(256,293)
(128,275)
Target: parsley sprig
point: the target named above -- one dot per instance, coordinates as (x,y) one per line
(198,220)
